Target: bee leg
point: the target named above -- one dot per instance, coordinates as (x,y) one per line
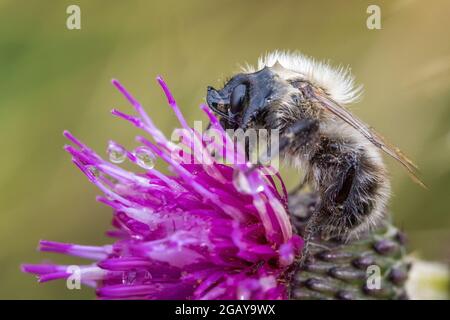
(300,132)
(336,173)
(309,232)
(339,192)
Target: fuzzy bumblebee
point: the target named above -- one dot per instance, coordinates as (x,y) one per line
(305,101)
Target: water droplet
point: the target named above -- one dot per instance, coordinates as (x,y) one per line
(242,182)
(117,154)
(93,170)
(145,157)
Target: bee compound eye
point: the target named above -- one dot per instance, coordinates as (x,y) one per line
(237,98)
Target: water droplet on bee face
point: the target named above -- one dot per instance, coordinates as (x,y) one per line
(117,154)
(145,158)
(242,182)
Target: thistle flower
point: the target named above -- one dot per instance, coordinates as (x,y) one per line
(206,231)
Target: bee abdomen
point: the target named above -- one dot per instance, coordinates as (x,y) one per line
(352,187)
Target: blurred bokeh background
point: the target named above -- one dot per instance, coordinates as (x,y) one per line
(52,79)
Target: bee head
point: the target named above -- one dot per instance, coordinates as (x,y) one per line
(247,96)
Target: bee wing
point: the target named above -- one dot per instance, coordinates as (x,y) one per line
(331,106)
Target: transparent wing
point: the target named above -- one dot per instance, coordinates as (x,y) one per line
(331,106)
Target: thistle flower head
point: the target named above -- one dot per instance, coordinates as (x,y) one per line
(206,231)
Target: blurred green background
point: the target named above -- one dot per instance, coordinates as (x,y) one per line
(52,79)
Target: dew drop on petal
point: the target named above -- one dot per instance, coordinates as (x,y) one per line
(117,154)
(145,158)
(259,188)
(93,170)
